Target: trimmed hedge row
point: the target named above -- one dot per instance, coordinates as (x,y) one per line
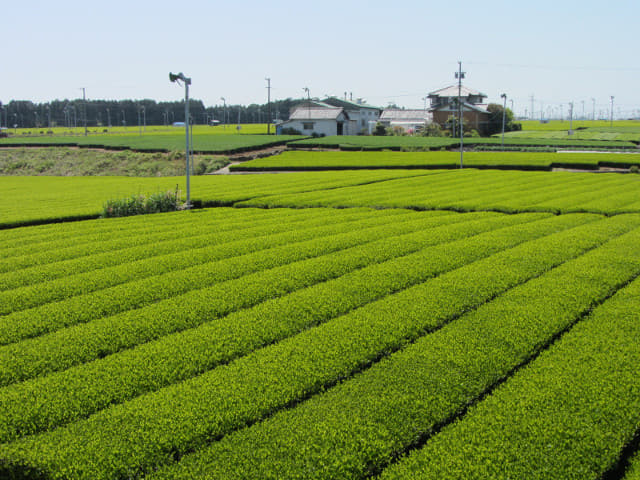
(472,190)
(173,427)
(27,241)
(571,412)
(190,265)
(201,236)
(119,377)
(545,161)
(137,284)
(355,429)
(319,261)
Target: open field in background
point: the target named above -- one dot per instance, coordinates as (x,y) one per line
(472,190)
(437,143)
(29,200)
(325,343)
(564,124)
(159,142)
(313,160)
(133,130)
(630,134)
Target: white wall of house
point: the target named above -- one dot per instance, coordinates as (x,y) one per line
(320,127)
(360,119)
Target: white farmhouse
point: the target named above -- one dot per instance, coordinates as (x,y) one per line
(318,120)
(361,115)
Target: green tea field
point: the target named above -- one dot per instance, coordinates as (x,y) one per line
(319,343)
(396,318)
(310,160)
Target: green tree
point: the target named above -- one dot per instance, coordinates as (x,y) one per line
(495,119)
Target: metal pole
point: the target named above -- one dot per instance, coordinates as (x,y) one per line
(224,112)
(570,118)
(187,82)
(268,106)
(84,108)
(460,76)
(612,110)
(504,114)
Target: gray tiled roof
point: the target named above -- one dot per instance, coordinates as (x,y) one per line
(304,113)
(452,91)
(339,102)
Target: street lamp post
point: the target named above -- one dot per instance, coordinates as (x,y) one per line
(268,105)
(612,110)
(504,114)
(224,112)
(187,82)
(460,75)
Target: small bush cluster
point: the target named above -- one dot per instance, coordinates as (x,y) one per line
(142,204)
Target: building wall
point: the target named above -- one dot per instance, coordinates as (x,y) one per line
(360,120)
(320,127)
(472,119)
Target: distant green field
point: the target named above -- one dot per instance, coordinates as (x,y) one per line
(248,128)
(303,160)
(33,200)
(474,190)
(436,143)
(630,134)
(204,143)
(564,124)
(353,142)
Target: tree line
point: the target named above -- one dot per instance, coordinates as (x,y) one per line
(106,113)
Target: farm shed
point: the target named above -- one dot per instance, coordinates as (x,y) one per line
(360,114)
(319,121)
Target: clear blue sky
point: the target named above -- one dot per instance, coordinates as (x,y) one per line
(383,51)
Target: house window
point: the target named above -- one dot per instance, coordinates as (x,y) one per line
(307,125)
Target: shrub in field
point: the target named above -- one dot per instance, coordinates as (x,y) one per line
(141,204)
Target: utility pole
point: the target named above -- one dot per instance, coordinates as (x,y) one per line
(460,76)
(84,108)
(594,109)
(532,116)
(570,118)
(504,112)
(268,105)
(612,110)
(224,112)
(583,117)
